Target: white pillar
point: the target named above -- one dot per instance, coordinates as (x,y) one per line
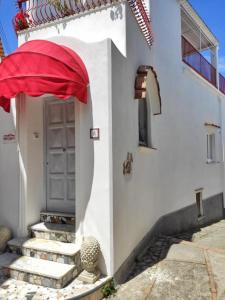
(215,62)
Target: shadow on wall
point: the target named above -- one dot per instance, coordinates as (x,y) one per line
(9,171)
(85,162)
(170,229)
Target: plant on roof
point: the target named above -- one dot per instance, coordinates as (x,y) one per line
(61,7)
(20,3)
(22,21)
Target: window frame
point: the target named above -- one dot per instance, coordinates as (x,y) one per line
(147,141)
(211,147)
(199,203)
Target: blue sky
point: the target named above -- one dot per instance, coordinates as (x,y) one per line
(212,12)
(7,11)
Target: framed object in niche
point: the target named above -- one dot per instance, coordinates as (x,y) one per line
(94,133)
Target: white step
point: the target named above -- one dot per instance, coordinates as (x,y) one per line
(7,258)
(69,249)
(41,272)
(58,232)
(15,245)
(67,253)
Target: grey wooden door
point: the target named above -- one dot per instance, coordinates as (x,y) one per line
(60,155)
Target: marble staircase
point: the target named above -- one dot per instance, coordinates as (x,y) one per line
(50,258)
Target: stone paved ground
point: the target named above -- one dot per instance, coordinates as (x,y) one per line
(12,289)
(186,266)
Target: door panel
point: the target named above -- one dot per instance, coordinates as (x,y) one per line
(55,138)
(70,137)
(70,188)
(71,163)
(60,155)
(56,163)
(56,190)
(70,114)
(55,113)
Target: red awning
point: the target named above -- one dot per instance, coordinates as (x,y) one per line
(41,67)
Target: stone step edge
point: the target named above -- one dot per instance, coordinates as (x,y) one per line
(51,251)
(51,230)
(33,272)
(19,242)
(20,246)
(57,214)
(195,245)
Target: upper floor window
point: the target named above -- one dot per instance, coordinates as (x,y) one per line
(147,91)
(199,45)
(211,147)
(144,123)
(213,143)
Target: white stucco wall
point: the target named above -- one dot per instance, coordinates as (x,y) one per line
(120,210)
(89,35)
(9,174)
(31,156)
(162,180)
(93,158)
(90,27)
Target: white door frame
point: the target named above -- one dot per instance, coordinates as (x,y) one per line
(24,120)
(45,120)
(20,111)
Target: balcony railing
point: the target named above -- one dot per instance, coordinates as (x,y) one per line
(222,83)
(197,61)
(39,12)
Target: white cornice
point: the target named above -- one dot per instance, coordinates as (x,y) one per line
(199,22)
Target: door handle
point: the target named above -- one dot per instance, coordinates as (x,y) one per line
(64,149)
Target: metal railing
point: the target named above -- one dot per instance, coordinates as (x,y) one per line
(198,62)
(222,83)
(44,11)
(39,12)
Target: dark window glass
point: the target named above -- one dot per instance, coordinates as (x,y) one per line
(143,122)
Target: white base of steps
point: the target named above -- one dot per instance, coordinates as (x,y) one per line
(58,232)
(42,272)
(67,253)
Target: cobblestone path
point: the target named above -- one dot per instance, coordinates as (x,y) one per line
(186,266)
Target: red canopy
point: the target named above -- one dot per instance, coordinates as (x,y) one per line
(41,67)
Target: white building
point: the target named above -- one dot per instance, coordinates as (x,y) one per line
(172,137)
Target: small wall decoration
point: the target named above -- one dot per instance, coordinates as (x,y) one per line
(127,165)
(94,133)
(9,138)
(35,135)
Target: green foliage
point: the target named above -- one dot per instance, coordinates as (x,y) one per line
(108,289)
(62,8)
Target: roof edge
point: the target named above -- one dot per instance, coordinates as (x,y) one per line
(199,21)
